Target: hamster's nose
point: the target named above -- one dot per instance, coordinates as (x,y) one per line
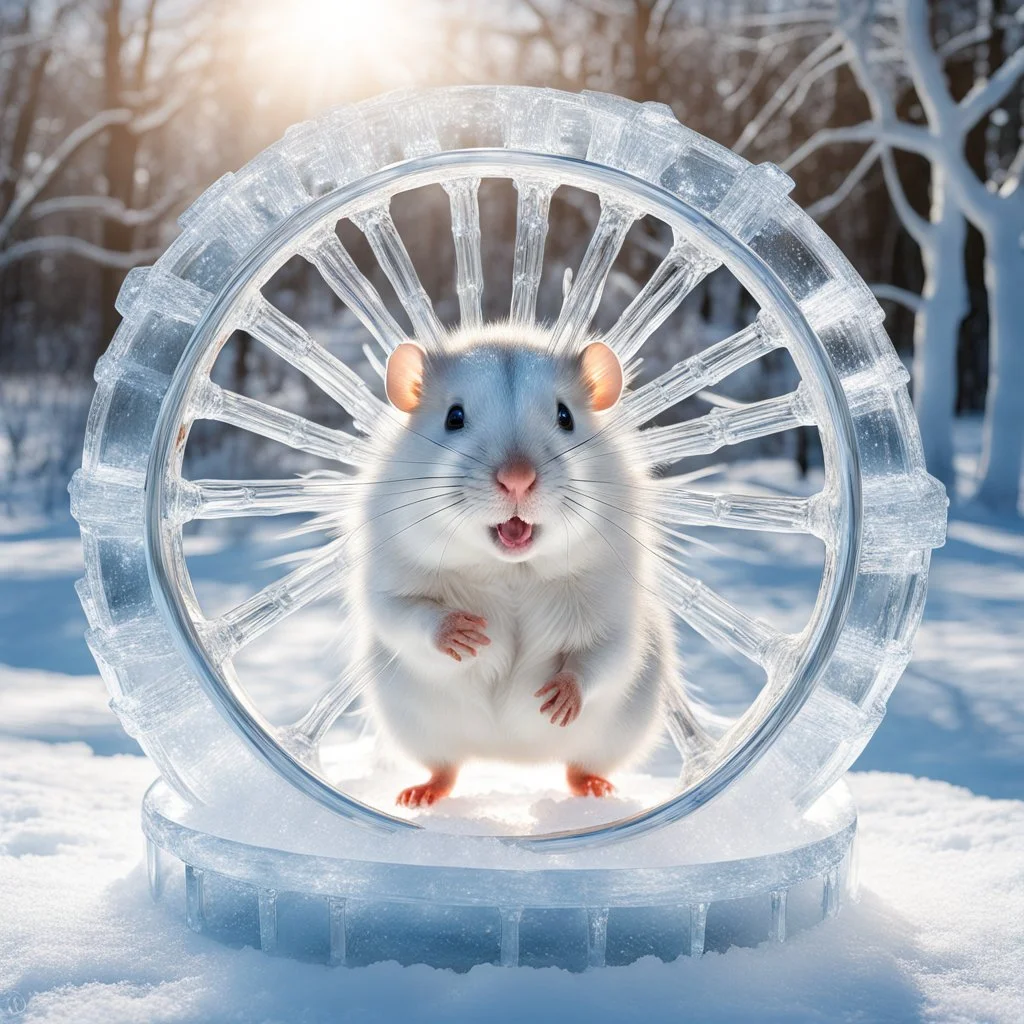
(516,480)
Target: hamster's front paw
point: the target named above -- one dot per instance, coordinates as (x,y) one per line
(461,633)
(566,700)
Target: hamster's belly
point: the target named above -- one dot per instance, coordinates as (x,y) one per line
(481,709)
(485,708)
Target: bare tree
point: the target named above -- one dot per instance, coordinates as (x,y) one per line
(140,93)
(879,40)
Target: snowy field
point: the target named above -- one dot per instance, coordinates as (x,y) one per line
(938,933)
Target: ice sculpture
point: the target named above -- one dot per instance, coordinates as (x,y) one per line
(767,817)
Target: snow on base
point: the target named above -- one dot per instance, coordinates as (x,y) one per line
(937,934)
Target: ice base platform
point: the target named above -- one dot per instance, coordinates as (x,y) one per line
(335,894)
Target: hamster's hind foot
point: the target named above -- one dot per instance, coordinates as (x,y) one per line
(584,783)
(437,787)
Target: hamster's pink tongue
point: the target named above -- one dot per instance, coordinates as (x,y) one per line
(514,533)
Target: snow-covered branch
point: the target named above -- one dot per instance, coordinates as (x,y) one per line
(923,62)
(757,123)
(160,116)
(893,293)
(910,137)
(61,245)
(12,43)
(917,227)
(778,19)
(824,206)
(826,67)
(746,87)
(986,94)
(104,206)
(1013,174)
(32,189)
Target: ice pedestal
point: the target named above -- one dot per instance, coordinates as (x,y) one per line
(332,897)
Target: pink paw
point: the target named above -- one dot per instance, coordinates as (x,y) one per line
(583,783)
(565,701)
(437,787)
(461,633)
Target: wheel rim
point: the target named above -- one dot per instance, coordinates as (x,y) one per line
(219,322)
(867,610)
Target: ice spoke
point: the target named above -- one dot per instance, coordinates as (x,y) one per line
(227,499)
(465,204)
(669,501)
(323,574)
(675,277)
(348,282)
(391,253)
(702,370)
(582,301)
(532,208)
(721,622)
(215,403)
(333,704)
(287,339)
(706,434)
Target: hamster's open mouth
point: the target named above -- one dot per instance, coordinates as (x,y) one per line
(515,534)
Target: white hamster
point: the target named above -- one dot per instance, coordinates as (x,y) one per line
(504,590)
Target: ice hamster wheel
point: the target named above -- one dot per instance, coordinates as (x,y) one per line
(169,668)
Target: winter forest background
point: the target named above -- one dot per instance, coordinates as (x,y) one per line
(900,120)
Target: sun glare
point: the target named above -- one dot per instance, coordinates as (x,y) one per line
(326,50)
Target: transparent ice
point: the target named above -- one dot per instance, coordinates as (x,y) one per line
(227,772)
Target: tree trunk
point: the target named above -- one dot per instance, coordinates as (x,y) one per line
(1003,438)
(120,171)
(944,303)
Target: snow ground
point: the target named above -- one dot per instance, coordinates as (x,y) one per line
(937,935)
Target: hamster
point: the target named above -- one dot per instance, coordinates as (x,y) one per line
(502,586)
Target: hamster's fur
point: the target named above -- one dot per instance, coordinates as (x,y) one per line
(578,600)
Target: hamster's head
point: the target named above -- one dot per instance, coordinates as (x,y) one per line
(518,443)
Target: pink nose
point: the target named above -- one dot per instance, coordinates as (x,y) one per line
(516,479)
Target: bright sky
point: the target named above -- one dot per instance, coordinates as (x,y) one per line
(327,50)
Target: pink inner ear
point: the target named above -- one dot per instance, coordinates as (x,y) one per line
(603,373)
(403,380)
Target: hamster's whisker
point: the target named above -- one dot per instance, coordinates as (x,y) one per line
(585,455)
(617,485)
(568,522)
(398,492)
(635,539)
(634,511)
(663,530)
(456,520)
(355,482)
(329,520)
(410,462)
(659,597)
(445,493)
(423,519)
(454,451)
(608,543)
(580,444)
(366,554)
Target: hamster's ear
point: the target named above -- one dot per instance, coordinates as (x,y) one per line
(403,380)
(602,373)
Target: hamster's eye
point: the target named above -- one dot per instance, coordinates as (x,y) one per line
(456,418)
(564,417)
